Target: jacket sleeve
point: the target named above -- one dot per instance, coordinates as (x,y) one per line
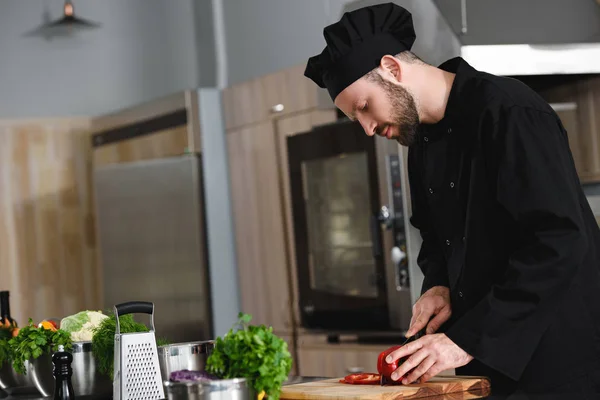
(431,259)
(536,185)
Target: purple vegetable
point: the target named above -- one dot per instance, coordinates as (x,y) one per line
(186,375)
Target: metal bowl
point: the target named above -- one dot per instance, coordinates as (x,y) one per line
(10,379)
(231,389)
(87,379)
(179,356)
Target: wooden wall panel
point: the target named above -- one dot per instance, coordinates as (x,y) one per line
(258,227)
(166,143)
(47,247)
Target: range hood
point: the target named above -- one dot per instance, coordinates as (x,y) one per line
(533,59)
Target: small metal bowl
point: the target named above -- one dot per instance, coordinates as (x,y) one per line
(11,380)
(179,356)
(87,379)
(231,389)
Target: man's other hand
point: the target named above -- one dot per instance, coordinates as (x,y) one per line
(427,357)
(433,303)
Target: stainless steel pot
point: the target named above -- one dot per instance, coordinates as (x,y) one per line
(87,379)
(179,356)
(222,389)
(10,379)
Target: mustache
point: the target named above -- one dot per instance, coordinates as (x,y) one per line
(381,129)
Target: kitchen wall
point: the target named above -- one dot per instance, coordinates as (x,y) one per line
(145,49)
(150,48)
(264,36)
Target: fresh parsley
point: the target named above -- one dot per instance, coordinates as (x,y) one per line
(252,352)
(4,351)
(5,335)
(32,342)
(103,341)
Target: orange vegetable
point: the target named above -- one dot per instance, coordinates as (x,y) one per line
(48,325)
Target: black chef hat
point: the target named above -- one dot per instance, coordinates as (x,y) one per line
(356,43)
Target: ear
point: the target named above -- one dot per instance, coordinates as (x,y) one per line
(391,67)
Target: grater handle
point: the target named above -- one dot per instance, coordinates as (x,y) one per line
(133,307)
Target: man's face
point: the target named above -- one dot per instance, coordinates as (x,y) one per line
(382,107)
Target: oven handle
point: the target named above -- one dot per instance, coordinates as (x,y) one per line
(376,235)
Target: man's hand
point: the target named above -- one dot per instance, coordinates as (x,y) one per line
(427,357)
(434,302)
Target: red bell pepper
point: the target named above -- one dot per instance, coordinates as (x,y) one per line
(386,369)
(361,379)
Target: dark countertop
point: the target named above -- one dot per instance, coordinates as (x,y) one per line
(21,394)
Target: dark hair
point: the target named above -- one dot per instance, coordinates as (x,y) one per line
(410,57)
(406,56)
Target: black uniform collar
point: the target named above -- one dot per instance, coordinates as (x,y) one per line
(464,72)
(457,100)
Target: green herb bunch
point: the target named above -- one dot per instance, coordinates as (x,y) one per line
(5,336)
(4,351)
(103,340)
(32,342)
(252,352)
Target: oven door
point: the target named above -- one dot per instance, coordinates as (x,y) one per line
(339,253)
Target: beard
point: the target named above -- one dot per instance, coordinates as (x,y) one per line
(404,111)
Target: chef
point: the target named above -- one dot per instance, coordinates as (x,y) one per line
(510,246)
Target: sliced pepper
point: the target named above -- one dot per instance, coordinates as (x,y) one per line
(361,379)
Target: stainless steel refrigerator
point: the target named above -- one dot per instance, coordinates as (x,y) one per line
(165,234)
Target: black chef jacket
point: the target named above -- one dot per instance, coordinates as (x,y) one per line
(506,226)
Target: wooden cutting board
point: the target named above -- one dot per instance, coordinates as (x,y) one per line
(465,387)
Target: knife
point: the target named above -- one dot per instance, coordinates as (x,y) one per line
(416,336)
(421,333)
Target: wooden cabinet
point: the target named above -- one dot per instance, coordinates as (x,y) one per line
(578,106)
(316,357)
(337,360)
(262,214)
(259,115)
(259,226)
(285,127)
(271,96)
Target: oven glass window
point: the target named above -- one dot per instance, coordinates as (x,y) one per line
(336,195)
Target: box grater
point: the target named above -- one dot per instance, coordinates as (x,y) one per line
(136,369)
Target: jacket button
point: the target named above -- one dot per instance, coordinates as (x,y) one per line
(451,184)
(460,294)
(431,190)
(449,130)
(448,242)
(426,139)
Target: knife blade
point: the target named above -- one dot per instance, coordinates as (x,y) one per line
(416,336)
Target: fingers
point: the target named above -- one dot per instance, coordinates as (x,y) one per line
(411,363)
(420,321)
(418,372)
(433,371)
(405,351)
(426,307)
(438,320)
